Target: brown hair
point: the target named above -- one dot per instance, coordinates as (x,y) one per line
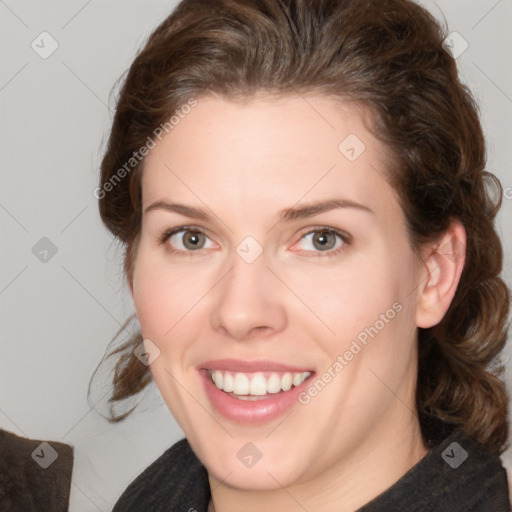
(389,56)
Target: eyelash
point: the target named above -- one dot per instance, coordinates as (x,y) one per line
(345,238)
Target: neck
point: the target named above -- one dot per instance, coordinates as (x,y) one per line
(348,485)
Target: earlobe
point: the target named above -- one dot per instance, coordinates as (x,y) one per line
(443,262)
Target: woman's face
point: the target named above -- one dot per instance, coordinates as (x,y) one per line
(273,250)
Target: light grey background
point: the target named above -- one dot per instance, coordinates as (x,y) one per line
(58,316)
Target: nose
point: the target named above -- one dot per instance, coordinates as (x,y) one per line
(247,301)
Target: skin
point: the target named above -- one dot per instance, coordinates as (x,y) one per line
(244,162)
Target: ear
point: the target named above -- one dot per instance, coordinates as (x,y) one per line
(442,265)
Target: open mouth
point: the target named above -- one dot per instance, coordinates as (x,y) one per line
(257,385)
(253,397)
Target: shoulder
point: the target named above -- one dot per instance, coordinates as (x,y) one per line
(482,483)
(456,475)
(34,471)
(175,481)
(468,476)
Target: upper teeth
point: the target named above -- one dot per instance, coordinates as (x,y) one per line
(256,383)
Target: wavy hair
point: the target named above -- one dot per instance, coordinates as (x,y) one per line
(390,57)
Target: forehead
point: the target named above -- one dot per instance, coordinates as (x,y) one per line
(270,152)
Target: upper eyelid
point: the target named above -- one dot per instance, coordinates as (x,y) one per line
(173,231)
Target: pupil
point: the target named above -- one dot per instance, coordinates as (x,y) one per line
(192,238)
(322,238)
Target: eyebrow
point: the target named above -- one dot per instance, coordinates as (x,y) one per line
(286,215)
(315,208)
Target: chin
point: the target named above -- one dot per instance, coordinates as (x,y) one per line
(263,475)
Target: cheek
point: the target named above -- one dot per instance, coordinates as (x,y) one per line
(378,328)
(152,306)
(377,310)
(167,298)
(350,297)
(158,295)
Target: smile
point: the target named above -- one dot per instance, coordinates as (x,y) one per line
(248,386)
(252,392)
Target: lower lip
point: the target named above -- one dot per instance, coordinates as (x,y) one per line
(251,411)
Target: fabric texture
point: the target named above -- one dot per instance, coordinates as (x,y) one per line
(455,476)
(35,476)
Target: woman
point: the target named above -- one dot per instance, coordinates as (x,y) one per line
(312,258)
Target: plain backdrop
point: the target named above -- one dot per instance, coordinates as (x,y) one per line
(62,295)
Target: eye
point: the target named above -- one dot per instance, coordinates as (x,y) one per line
(186,239)
(327,240)
(189,239)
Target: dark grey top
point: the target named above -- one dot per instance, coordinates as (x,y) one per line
(455,476)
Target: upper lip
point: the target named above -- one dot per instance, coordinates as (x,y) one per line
(239,365)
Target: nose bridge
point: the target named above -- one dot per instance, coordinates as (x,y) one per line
(247,299)
(245,279)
